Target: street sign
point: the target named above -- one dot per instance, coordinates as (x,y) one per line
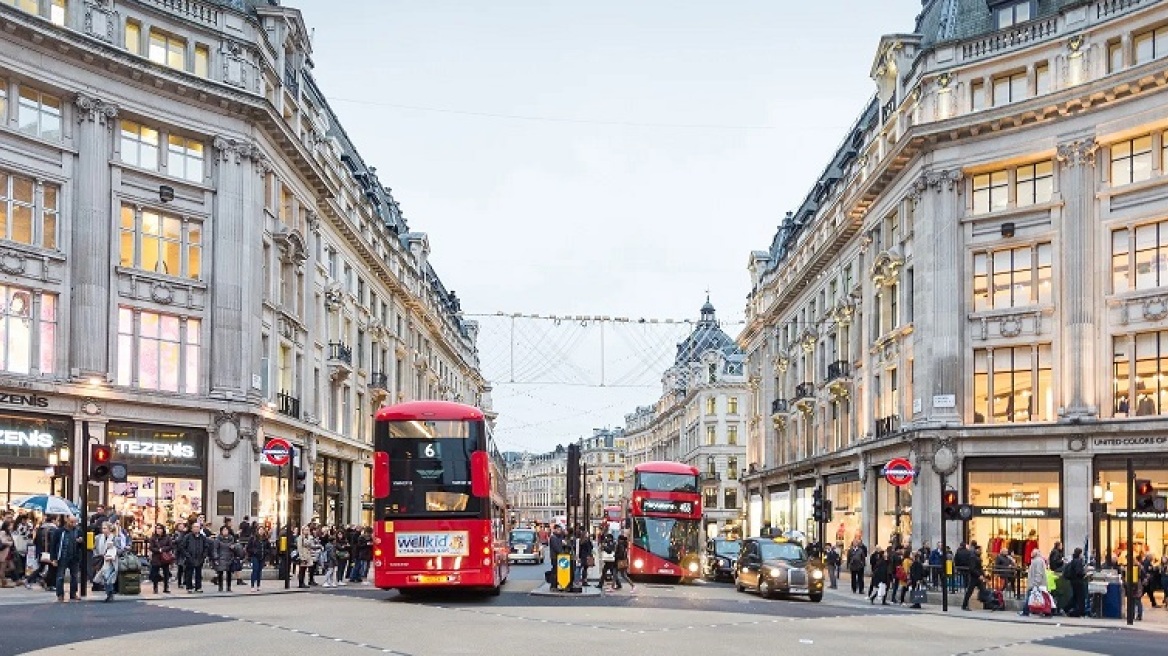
(899,472)
(277,450)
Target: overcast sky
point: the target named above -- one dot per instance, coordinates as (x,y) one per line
(605,158)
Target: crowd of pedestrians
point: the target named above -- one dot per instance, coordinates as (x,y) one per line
(608,550)
(49,552)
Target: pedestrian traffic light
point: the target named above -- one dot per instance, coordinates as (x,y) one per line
(1145,495)
(827,513)
(99,462)
(299,480)
(817,505)
(949,509)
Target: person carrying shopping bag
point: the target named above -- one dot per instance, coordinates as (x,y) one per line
(1038,600)
(107,546)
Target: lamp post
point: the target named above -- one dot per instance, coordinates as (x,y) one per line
(59,462)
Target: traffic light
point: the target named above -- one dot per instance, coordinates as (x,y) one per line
(99,462)
(827,513)
(949,505)
(573,474)
(299,480)
(1145,495)
(817,505)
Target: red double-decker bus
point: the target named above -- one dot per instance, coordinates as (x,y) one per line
(666,514)
(440,516)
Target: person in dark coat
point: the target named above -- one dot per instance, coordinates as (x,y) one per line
(180,568)
(857,556)
(196,547)
(223,557)
(258,550)
(160,543)
(976,577)
(1056,559)
(881,576)
(1075,572)
(66,552)
(917,574)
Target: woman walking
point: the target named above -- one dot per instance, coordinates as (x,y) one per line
(161,556)
(622,563)
(223,557)
(306,544)
(107,547)
(258,550)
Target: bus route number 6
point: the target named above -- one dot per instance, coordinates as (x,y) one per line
(430,450)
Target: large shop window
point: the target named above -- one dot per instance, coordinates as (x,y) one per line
(25,444)
(167,475)
(158,351)
(330,491)
(162,243)
(779,515)
(28,330)
(1015,277)
(1150,380)
(1014,511)
(1142,250)
(1012,384)
(893,512)
(28,211)
(1151,527)
(847,512)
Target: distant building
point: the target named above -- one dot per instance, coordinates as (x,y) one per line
(537,486)
(700,419)
(603,454)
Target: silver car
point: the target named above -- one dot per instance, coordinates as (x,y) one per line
(525,546)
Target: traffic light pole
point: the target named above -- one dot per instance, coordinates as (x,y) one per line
(281,541)
(944,550)
(83,521)
(1129,580)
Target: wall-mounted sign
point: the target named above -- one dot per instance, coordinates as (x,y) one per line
(1145,440)
(899,472)
(945,401)
(918,406)
(1036,513)
(29,400)
(33,438)
(179,450)
(1142,515)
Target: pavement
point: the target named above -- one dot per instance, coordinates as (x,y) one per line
(700,618)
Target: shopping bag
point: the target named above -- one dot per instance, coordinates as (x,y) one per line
(1038,602)
(919,595)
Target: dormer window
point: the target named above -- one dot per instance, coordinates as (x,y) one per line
(1007,14)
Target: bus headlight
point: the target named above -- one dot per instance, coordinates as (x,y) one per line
(638,563)
(817,574)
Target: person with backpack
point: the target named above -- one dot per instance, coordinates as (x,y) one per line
(857,556)
(1075,572)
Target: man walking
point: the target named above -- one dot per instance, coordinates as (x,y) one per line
(857,556)
(66,557)
(975,576)
(832,560)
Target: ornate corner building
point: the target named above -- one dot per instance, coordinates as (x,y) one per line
(194,259)
(977,282)
(700,419)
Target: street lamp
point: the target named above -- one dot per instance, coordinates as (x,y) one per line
(1102,498)
(58,459)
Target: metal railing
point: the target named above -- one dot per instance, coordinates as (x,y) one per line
(804,391)
(287,404)
(379,381)
(340,351)
(887,425)
(838,369)
(292,81)
(779,406)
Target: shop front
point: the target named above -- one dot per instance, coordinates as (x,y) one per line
(846,494)
(1017,505)
(779,509)
(892,511)
(167,475)
(330,493)
(29,446)
(1150,526)
(804,515)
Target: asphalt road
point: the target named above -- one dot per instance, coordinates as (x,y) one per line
(702,618)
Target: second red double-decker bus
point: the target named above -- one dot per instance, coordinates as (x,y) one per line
(439,506)
(666,518)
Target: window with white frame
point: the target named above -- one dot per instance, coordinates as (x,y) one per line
(1019,277)
(1035,183)
(39,114)
(158,351)
(28,330)
(28,211)
(1009,15)
(711,435)
(732,405)
(160,242)
(732,468)
(732,435)
(711,405)
(1013,384)
(202,61)
(991,192)
(1139,257)
(1131,160)
(1041,78)
(1009,88)
(1150,45)
(184,158)
(168,50)
(133,37)
(139,146)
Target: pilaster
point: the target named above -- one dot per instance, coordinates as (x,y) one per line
(1078,292)
(90,245)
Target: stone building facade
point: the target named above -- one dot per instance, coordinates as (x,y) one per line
(976,283)
(196,259)
(700,419)
(537,486)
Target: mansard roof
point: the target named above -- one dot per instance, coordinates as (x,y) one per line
(706,336)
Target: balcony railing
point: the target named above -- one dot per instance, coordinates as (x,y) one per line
(779,406)
(340,351)
(887,425)
(804,391)
(888,110)
(838,369)
(287,404)
(292,81)
(379,381)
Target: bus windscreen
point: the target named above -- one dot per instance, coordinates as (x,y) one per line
(429,468)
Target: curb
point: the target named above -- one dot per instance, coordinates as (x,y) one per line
(545,590)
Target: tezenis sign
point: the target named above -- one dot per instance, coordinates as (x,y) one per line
(164,449)
(33,438)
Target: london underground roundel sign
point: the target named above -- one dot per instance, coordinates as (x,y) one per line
(278,451)
(899,472)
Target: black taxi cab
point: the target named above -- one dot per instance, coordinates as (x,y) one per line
(776,566)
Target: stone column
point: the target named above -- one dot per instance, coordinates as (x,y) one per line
(1076,499)
(232,256)
(1078,292)
(938,341)
(90,258)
